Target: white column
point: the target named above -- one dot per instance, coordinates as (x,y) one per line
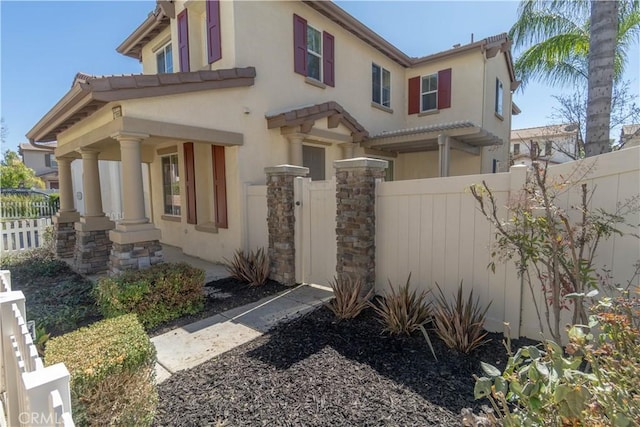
(443,154)
(131,172)
(295,149)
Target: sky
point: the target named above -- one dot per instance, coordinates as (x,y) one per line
(43,44)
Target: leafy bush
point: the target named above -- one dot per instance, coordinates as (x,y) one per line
(34,263)
(403,311)
(252,267)
(460,324)
(348,299)
(597,383)
(157,294)
(112,367)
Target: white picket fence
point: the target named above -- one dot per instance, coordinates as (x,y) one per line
(32,394)
(22,234)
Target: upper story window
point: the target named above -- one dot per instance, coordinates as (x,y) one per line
(381,85)
(50,161)
(313,54)
(430,92)
(548,148)
(164,59)
(516,149)
(171,185)
(499,96)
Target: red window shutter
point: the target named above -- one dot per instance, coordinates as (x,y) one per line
(219,186)
(214,41)
(190,183)
(414,95)
(183,41)
(444,89)
(299,45)
(328,59)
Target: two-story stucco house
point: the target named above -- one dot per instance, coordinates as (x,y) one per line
(231,87)
(554,144)
(42,161)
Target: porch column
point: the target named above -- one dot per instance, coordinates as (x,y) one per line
(92,242)
(64,233)
(444,147)
(131,169)
(356,217)
(347,150)
(295,149)
(136,242)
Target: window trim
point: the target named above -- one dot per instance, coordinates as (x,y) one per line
(166,215)
(516,149)
(381,88)
(163,49)
(422,92)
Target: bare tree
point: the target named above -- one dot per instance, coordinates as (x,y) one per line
(573,109)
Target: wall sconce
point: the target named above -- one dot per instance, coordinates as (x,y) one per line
(117,111)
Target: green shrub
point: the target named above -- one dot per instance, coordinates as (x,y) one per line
(112,367)
(403,311)
(545,386)
(157,294)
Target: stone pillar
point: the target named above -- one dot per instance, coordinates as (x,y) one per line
(92,241)
(136,242)
(355,218)
(295,149)
(64,233)
(281,221)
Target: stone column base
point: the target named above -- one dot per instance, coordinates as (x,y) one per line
(134,256)
(92,251)
(64,234)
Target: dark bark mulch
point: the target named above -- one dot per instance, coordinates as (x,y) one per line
(222,295)
(317,371)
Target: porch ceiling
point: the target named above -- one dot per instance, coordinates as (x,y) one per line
(426,138)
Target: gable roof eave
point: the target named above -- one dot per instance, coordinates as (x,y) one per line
(155,23)
(89,93)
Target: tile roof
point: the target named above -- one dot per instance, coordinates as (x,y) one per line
(298,116)
(544,131)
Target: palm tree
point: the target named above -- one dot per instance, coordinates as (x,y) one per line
(603,31)
(553,39)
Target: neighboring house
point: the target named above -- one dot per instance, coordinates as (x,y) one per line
(231,87)
(554,143)
(42,161)
(630,136)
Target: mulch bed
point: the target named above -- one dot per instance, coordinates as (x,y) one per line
(222,295)
(317,371)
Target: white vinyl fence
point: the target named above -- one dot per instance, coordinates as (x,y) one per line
(22,234)
(33,395)
(256,217)
(432,229)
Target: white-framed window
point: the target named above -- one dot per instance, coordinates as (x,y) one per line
(516,149)
(429,92)
(314,53)
(171,185)
(499,96)
(164,59)
(381,85)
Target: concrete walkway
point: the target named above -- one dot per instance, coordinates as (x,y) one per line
(191,345)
